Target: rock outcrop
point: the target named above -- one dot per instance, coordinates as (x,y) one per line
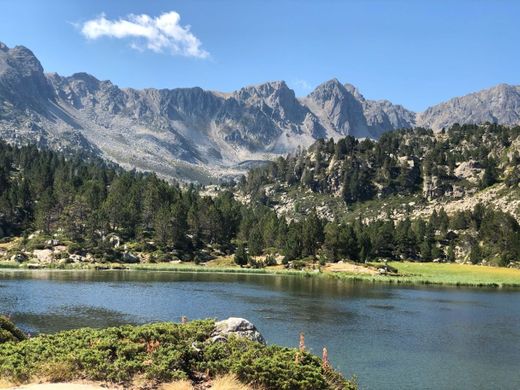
(238,327)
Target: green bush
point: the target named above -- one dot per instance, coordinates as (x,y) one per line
(9,332)
(161,352)
(271,367)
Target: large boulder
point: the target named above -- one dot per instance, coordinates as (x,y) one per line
(44,255)
(239,327)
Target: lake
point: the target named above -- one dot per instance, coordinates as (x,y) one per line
(390,337)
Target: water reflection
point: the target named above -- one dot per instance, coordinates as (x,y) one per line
(411,338)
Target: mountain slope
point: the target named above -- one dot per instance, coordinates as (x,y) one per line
(499,104)
(416,165)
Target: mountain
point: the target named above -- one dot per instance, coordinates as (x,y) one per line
(193,134)
(499,104)
(343,110)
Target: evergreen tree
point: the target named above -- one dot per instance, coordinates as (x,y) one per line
(241,257)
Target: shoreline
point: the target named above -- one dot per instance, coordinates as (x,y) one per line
(479,277)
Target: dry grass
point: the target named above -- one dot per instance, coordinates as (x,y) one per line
(229,382)
(350,268)
(226,382)
(64,386)
(222,261)
(10,244)
(56,372)
(4,384)
(177,385)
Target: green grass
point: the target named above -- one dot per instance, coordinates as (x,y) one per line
(445,274)
(409,273)
(9,264)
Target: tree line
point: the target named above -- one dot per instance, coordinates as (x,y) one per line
(86,200)
(399,163)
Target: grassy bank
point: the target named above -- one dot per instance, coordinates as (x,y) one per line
(409,273)
(412,273)
(444,274)
(149,355)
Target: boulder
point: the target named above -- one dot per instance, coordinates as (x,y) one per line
(43,255)
(53,242)
(19,257)
(115,241)
(236,326)
(75,258)
(130,258)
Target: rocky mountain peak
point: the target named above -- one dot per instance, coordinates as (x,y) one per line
(272,91)
(22,77)
(339,109)
(498,104)
(327,90)
(275,99)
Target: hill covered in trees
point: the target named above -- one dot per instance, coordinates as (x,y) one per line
(411,195)
(352,199)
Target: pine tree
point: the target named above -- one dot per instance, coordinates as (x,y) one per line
(241,257)
(475,255)
(255,243)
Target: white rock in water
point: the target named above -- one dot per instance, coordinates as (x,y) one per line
(239,327)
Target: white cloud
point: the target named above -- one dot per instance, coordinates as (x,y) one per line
(160,34)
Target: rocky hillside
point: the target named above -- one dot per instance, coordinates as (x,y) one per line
(408,173)
(193,134)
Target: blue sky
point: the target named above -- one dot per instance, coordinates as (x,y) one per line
(416,53)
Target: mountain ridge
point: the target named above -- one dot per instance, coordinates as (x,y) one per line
(192,133)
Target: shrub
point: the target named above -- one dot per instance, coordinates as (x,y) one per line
(9,332)
(161,353)
(270,260)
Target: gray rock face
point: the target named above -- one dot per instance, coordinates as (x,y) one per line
(239,327)
(500,104)
(338,109)
(193,134)
(22,80)
(345,111)
(382,115)
(186,133)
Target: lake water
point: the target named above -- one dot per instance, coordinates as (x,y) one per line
(391,337)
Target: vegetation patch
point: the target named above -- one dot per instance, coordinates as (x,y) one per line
(162,353)
(9,332)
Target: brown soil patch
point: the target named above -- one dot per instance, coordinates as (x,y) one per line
(350,268)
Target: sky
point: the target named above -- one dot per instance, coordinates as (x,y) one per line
(414,53)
